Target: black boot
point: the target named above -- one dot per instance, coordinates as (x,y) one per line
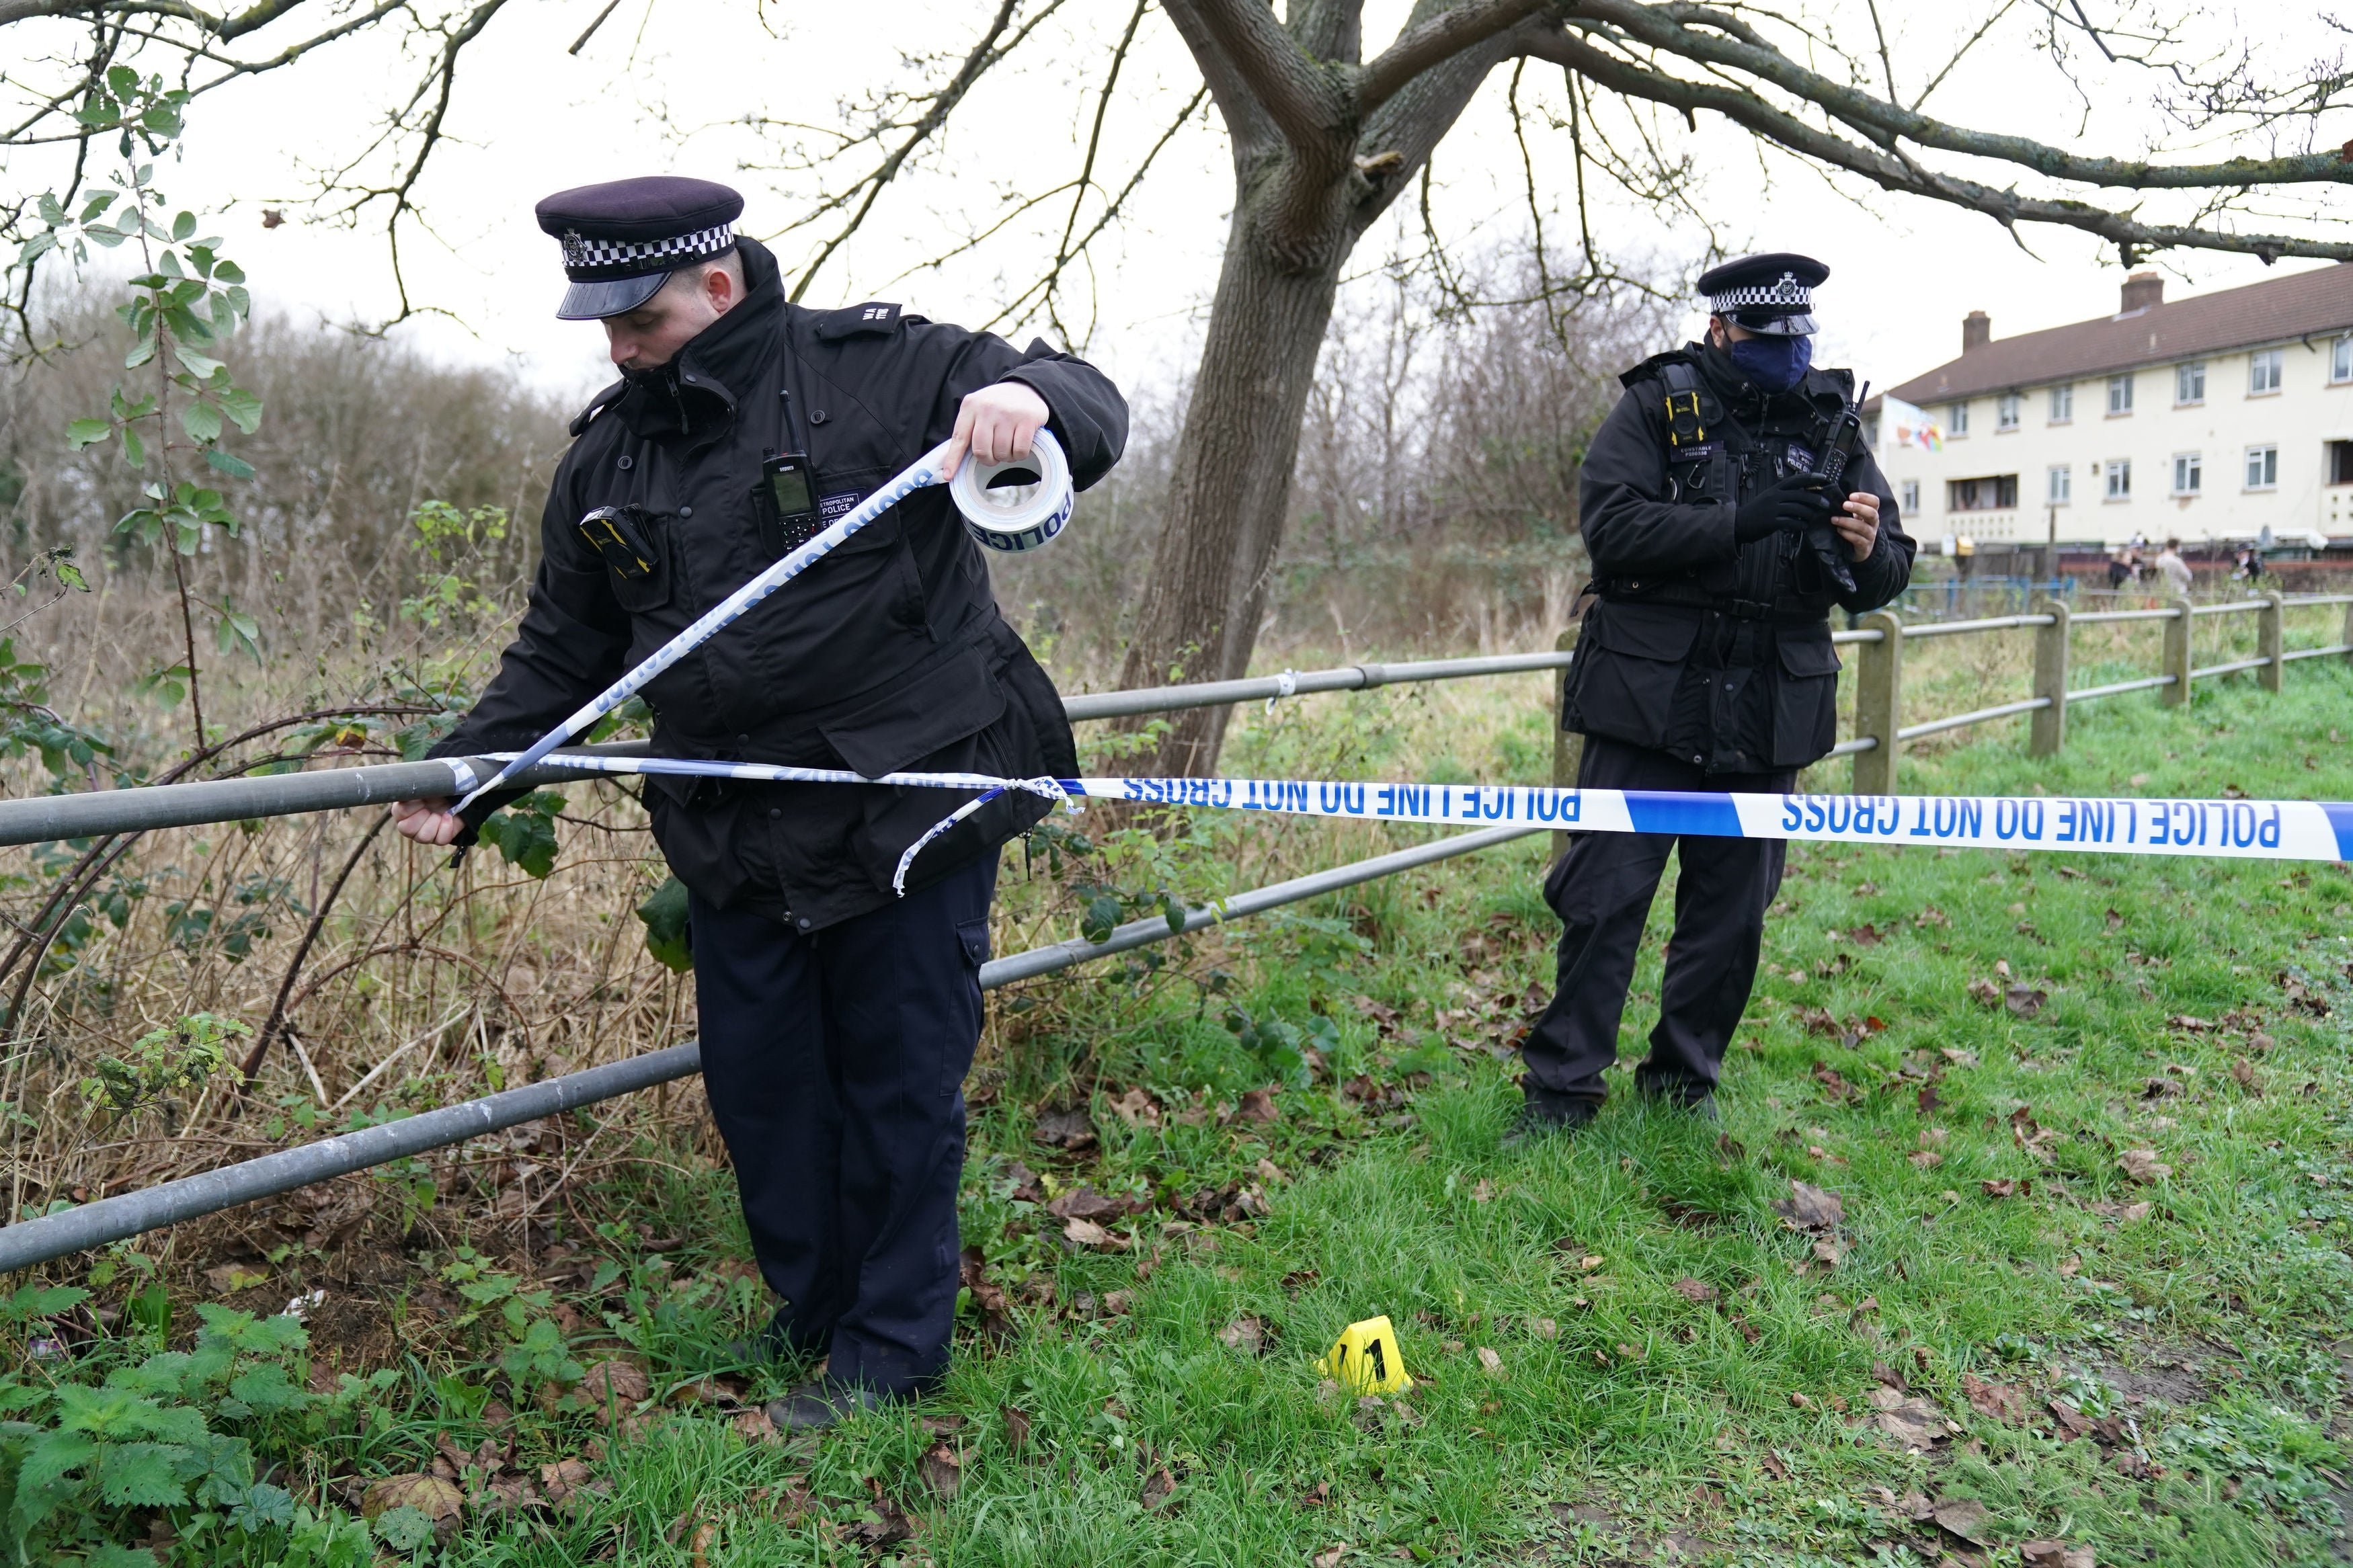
(814,1406)
(1546,1113)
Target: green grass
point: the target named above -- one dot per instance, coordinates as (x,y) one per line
(1623,1413)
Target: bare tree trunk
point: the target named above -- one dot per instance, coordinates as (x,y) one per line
(1231,488)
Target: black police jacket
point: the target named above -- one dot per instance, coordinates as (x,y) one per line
(1716,651)
(889,654)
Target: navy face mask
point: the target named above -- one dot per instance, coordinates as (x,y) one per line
(1774,364)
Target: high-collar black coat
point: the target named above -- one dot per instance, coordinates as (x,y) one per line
(889,654)
(1714,651)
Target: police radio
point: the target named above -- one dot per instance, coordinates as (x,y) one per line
(1838,451)
(790,517)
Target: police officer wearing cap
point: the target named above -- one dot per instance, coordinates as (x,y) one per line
(1704,663)
(837,1020)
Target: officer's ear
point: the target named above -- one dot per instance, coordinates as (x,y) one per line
(1716,335)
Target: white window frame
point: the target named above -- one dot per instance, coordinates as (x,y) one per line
(2188,474)
(1957,419)
(2063,404)
(2341,359)
(2120,395)
(2189,384)
(2266,371)
(1908,500)
(2116,476)
(2263,467)
(2008,409)
(2059,486)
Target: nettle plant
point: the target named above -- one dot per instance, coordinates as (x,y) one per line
(177,397)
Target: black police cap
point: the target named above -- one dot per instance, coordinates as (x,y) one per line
(623,238)
(1772,294)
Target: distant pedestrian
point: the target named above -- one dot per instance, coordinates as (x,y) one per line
(2249,566)
(2122,568)
(2173,568)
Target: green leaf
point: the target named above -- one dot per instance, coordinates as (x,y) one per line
(71,575)
(51,1455)
(404,1529)
(111,1556)
(267,1390)
(202,421)
(526,840)
(42,1301)
(228,463)
(665,916)
(243,409)
(134,450)
(83,432)
(141,1475)
(196,363)
(184,226)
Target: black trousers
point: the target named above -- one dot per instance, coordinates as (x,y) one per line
(1601,889)
(835,1063)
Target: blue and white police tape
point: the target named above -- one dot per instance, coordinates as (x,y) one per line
(2230,829)
(1000,519)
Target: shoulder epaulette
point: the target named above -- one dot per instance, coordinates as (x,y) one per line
(872,320)
(1649,369)
(598,405)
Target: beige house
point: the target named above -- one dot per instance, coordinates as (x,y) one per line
(2211,418)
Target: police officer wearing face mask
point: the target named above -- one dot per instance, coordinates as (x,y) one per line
(1705,663)
(836,1019)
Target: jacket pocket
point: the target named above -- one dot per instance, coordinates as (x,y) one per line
(637,548)
(1629,660)
(1805,698)
(955,698)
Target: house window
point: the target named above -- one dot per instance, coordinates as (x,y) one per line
(2062,403)
(2341,361)
(1995,492)
(2262,468)
(2063,484)
(2119,477)
(2005,411)
(2340,462)
(2264,370)
(1910,502)
(1957,419)
(2188,474)
(2189,382)
(2120,394)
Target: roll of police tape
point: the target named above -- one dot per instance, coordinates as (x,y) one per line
(2130,824)
(1022,512)
(1018,514)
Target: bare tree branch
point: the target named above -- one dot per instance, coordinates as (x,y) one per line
(2005,206)
(1436,40)
(1304,98)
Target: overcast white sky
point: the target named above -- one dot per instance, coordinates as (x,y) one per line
(665,84)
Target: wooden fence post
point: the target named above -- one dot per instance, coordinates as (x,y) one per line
(2271,639)
(1568,746)
(1879,702)
(2177,655)
(2049,724)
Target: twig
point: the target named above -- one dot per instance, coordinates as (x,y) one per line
(285,988)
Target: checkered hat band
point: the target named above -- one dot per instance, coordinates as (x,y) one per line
(593,260)
(1785,292)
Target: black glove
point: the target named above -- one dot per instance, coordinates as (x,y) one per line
(1798,502)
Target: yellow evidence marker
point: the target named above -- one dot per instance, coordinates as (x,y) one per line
(1365,1359)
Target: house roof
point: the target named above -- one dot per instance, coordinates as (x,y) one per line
(2300,305)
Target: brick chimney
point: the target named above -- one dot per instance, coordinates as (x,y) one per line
(1977,330)
(2143,290)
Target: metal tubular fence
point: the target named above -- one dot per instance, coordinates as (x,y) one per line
(1875,750)
(127,1215)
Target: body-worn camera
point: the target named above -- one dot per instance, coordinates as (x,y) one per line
(619,534)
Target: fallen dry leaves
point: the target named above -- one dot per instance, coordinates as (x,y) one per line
(1809,1207)
(2143,1166)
